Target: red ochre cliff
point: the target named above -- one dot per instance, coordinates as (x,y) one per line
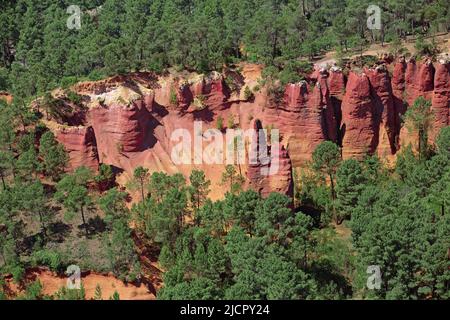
(130,120)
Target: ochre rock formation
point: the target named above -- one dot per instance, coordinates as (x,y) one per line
(269,168)
(440,103)
(130,120)
(419,82)
(121,128)
(384,110)
(398,92)
(359,128)
(81,145)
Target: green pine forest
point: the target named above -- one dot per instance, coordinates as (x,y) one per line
(316,246)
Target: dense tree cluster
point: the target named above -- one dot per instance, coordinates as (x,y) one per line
(38,50)
(399,218)
(243,247)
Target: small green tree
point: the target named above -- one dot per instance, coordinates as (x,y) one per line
(419,118)
(115,296)
(72,191)
(231,178)
(28,165)
(112,203)
(54,156)
(141,177)
(443,142)
(120,250)
(98,293)
(219,123)
(199,188)
(349,185)
(173,97)
(326,159)
(33,200)
(105,177)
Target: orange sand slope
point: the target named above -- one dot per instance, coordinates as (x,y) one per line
(109,284)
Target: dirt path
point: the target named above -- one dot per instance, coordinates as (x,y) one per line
(51,283)
(373,50)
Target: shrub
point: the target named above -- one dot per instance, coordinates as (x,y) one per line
(95,75)
(49,258)
(66,82)
(397,47)
(219,123)
(229,81)
(173,97)
(425,48)
(73,97)
(248,94)
(200,102)
(33,291)
(231,123)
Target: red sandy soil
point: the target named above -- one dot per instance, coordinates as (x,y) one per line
(5,96)
(51,283)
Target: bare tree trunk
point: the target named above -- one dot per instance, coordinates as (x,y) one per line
(3,180)
(142,190)
(84,221)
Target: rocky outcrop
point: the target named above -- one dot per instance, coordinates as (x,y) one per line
(440,104)
(336,85)
(398,92)
(184,96)
(121,127)
(419,80)
(132,118)
(384,110)
(336,82)
(360,135)
(209,92)
(300,119)
(330,124)
(269,168)
(80,143)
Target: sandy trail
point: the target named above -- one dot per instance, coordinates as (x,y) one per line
(51,283)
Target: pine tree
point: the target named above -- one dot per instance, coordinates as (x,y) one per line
(350,182)
(53,155)
(72,192)
(199,188)
(231,178)
(141,178)
(326,158)
(419,118)
(98,293)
